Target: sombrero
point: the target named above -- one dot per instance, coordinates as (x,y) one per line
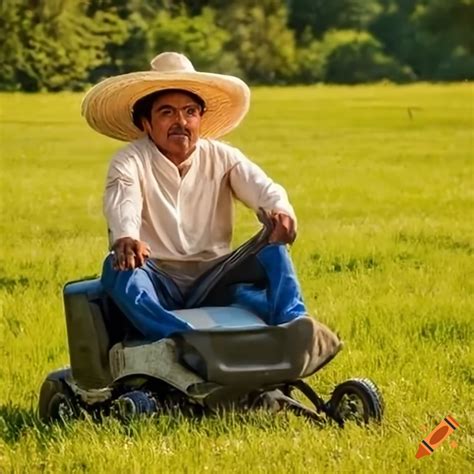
(108,106)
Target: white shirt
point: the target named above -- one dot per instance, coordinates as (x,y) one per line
(186,220)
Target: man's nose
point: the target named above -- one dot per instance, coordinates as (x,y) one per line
(181,117)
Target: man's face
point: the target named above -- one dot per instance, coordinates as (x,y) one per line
(174,124)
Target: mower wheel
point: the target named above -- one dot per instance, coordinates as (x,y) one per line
(133,404)
(56,401)
(356,400)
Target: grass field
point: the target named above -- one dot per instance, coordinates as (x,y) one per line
(382,181)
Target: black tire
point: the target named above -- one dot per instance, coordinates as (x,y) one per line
(356,400)
(134,404)
(56,401)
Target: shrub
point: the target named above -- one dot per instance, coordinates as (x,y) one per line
(458,66)
(352,57)
(311,63)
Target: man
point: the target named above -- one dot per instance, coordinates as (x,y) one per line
(169,195)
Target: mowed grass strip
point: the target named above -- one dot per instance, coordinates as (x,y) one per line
(382,181)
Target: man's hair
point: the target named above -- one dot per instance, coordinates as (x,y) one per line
(142,107)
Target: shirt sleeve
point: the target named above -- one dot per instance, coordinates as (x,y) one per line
(255,189)
(123,199)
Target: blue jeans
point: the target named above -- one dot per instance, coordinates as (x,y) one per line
(147,296)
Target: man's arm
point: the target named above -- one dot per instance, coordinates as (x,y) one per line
(123,204)
(256,190)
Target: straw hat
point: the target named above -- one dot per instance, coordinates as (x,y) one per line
(108,106)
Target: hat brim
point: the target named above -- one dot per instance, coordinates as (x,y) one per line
(108,106)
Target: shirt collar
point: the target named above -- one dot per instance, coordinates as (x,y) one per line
(168,165)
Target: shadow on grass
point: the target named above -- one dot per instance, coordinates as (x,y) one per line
(14,421)
(447,331)
(340,264)
(218,424)
(440,241)
(11,284)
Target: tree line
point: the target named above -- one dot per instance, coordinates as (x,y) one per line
(58,45)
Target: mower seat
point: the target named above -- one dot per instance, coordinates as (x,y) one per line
(229,346)
(95,324)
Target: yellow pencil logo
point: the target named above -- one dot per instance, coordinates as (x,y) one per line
(437,436)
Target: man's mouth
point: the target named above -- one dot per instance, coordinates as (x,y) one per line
(179,133)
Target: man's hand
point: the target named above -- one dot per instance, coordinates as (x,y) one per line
(284,230)
(129,253)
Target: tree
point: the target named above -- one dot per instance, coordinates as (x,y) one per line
(323,15)
(261,40)
(448,26)
(53,44)
(448,20)
(197,37)
(128,53)
(433,37)
(11,53)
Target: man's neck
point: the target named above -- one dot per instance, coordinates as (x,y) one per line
(176,159)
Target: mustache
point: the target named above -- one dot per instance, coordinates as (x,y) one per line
(179,130)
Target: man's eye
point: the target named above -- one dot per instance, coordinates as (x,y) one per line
(166,112)
(192,111)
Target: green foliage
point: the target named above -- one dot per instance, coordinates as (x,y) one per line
(311,60)
(197,37)
(11,56)
(447,27)
(458,65)
(54,45)
(323,15)
(127,55)
(263,45)
(353,57)
(449,20)
(398,34)
(68,44)
(434,38)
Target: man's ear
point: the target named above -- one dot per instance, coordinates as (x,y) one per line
(146,125)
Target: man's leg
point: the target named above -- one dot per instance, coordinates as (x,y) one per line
(146,296)
(281,301)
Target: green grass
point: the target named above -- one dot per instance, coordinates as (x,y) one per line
(382,181)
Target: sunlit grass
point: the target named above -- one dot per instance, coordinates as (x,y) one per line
(382,181)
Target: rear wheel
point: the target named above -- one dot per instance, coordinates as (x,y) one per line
(57,402)
(356,400)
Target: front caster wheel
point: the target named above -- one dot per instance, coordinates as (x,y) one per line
(134,404)
(356,400)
